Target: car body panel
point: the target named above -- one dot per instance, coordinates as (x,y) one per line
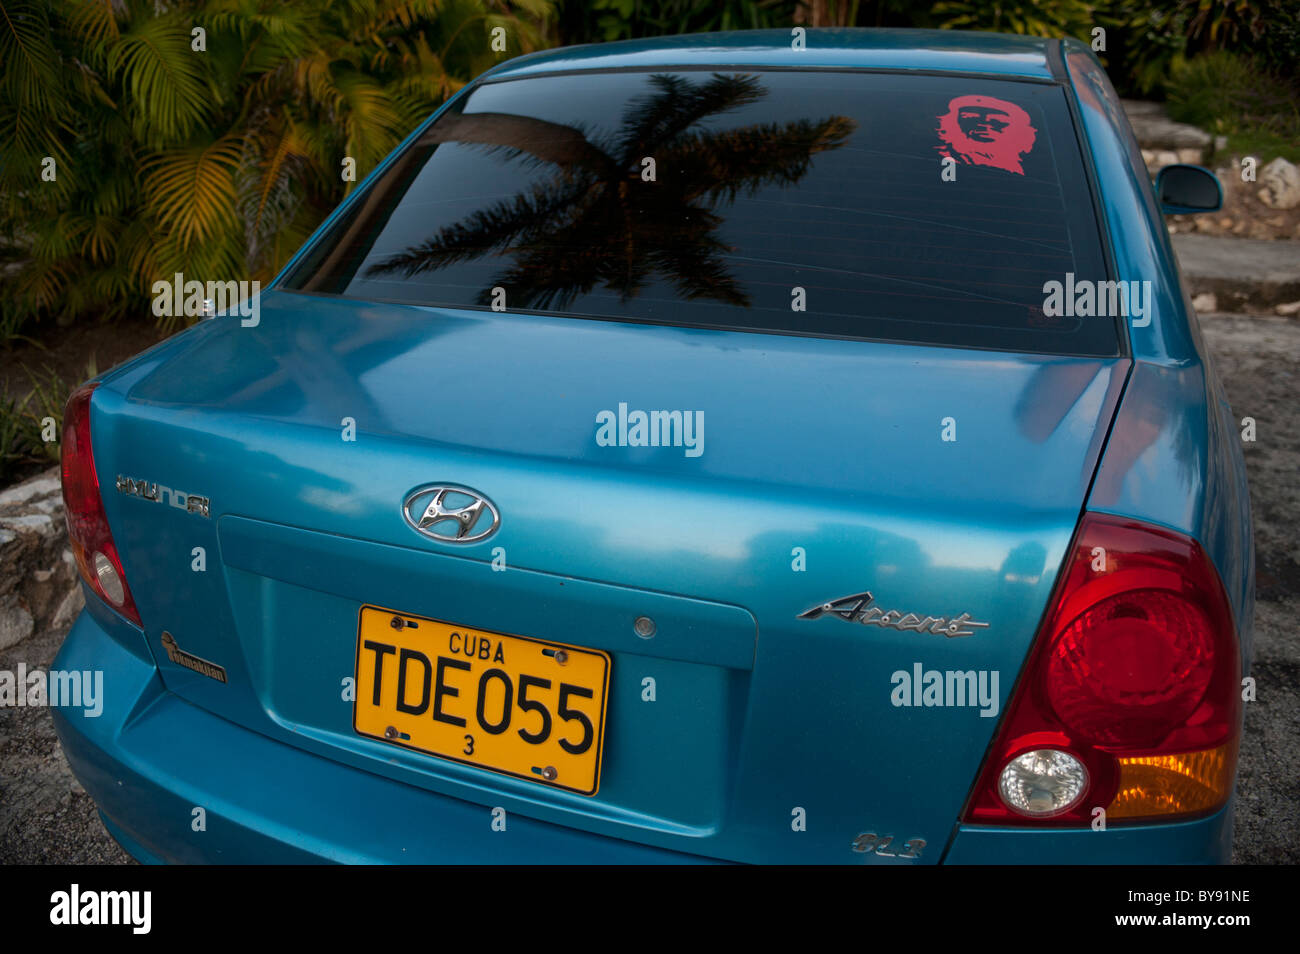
(999,54)
(1175,456)
(758,715)
(594,537)
(151,758)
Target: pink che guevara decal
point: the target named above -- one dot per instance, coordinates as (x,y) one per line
(984,131)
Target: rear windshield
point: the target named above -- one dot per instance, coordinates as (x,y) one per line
(931,209)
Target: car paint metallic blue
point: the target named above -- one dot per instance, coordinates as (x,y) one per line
(306,528)
(1182,465)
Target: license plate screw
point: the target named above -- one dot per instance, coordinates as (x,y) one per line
(561,656)
(397,622)
(549,773)
(644,627)
(390,732)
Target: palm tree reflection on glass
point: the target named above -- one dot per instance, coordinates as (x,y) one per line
(600,219)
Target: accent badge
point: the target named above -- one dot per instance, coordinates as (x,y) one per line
(858,609)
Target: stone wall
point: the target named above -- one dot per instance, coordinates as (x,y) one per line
(39,588)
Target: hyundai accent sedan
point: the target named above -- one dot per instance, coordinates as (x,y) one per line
(756,447)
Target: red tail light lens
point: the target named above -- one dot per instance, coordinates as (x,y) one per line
(1133,684)
(92,542)
(1132,669)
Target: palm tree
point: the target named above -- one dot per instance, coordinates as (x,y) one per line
(597,220)
(212,155)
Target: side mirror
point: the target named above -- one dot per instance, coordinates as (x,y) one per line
(1186,190)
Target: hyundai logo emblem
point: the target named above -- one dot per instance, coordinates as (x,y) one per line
(450,514)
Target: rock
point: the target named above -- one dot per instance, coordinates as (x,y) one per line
(1142,108)
(38,577)
(40,522)
(16,624)
(1193,156)
(1155,130)
(70,606)
(1166,158)
(46,485)
(1290,308)
(1220,143)
(1281,185)
(1205,303)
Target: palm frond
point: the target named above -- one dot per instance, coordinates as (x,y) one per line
(163,77)
(191,191)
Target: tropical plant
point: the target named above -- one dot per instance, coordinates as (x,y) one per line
(629,230)
(1150,43)
(1238,97)
(15,438)
(1055,19)
(44,402)
(606,20)
(827,13)
(208,137)
(24,420)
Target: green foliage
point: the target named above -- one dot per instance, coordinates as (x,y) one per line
(21,422)
(16,447)
(1142,46)
(1055,19)
(1149,43)
(218,162)
(606,20)
(48,394)
(1237,97)
(1145,43)
(22,419)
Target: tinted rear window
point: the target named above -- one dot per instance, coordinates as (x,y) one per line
(776,201)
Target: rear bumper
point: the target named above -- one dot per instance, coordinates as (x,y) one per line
(150,759)
(1206,841)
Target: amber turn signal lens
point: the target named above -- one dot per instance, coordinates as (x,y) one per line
(1169,785)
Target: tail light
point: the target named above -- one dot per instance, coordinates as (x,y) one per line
(92,541)
(1130,699)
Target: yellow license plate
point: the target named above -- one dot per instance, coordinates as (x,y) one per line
(521,706)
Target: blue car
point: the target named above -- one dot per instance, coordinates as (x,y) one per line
(770,447)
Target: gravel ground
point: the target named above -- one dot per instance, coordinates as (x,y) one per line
(1259,362)
(45,816)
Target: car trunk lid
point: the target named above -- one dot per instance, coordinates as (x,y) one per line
(933,486)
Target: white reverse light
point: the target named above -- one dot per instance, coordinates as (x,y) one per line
(1043,783)
(109,580)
